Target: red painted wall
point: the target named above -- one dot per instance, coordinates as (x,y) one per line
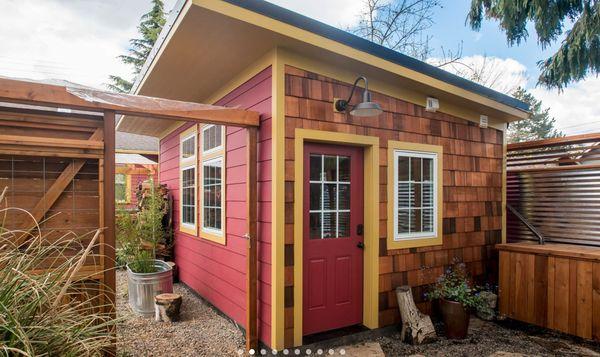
(215,271)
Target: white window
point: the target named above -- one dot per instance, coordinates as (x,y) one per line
(188,197)
(187,163)
(212,196)
(415,195)
(212,138)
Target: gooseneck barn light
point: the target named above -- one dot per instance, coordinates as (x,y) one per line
(366,108)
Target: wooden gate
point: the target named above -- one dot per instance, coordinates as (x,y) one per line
(53,165)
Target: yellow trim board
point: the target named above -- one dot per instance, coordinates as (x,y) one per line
(371,220)
(278,202)
(324,43)
(396,91)
(416,242)
(220,238)
(193,231)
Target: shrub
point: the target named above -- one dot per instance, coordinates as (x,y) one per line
(47,306)
(138,234)
(455,285)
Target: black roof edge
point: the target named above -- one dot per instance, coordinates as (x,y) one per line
(306,23)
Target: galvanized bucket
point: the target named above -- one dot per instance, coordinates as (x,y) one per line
(143,287)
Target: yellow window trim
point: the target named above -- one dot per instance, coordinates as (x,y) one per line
(184,227)
(127,188)
(414,242)
(371,221)
(212,236)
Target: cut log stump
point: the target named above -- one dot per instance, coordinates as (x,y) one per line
(167,306)
(417,327)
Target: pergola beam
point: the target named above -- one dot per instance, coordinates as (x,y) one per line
(17,91)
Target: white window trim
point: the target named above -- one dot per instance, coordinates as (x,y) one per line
(216,148)
(422,235)
(210,230)
(191,226)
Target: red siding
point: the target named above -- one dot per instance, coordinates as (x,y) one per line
(215,271)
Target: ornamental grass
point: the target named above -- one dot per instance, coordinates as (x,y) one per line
(49,305)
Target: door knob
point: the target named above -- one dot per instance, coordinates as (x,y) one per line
(361,245)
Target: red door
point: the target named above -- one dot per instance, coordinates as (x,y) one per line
(333,242)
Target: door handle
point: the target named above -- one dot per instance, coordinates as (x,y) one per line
(361,245)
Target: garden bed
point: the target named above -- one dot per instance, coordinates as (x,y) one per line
(201,331)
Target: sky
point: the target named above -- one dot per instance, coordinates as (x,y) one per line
(79,41)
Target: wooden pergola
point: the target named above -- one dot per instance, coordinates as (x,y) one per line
(84,128)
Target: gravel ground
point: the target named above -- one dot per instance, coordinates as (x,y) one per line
(201,331)
(504,338)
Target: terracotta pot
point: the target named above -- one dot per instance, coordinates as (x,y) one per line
(456,319)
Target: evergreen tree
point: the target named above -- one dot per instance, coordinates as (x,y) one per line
(151,23)
(539,126)
(579,53)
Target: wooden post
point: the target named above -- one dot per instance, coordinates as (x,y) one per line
(251,254)
(109,213)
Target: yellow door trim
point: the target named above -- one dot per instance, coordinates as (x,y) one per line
(371,212)
(278,202)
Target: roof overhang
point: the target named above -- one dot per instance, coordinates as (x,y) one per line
(206,43)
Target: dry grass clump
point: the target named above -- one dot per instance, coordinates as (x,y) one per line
(48,306)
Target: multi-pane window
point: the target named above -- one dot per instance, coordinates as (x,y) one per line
(415,194)
(188,196)
(212,202)
(329,196)
(121,188)
(211,138)
(213,183)
(187,162)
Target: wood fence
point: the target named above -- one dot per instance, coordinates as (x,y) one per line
(555,185)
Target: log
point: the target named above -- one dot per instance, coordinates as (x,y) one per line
(417,327)
(166,307)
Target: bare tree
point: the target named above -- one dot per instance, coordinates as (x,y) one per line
(401,25)
(491,72)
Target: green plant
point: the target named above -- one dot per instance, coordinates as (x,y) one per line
(48,305)
(455,285)
(138,234)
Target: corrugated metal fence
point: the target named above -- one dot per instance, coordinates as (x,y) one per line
(555,185)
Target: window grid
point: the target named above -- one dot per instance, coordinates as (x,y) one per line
(427,223)
(188,196)
(188,154)
(337,183)
(212,184)
(212,138)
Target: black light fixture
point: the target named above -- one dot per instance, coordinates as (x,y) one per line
(366,108)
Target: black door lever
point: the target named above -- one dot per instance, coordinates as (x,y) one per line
(361,245)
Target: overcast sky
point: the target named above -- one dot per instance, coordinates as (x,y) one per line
(79,41)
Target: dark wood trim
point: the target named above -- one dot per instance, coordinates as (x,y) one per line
(109,211)
(252,253)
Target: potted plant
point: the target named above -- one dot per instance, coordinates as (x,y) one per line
(138,235)
(456,296)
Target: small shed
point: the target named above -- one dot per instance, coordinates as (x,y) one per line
(63,161)
(350,207)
